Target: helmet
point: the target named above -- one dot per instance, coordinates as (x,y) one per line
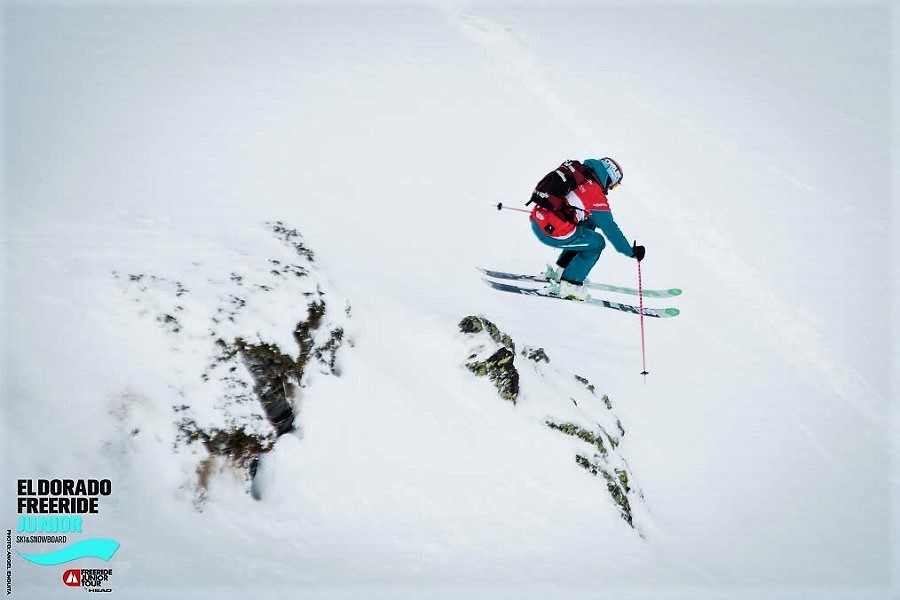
(614,171)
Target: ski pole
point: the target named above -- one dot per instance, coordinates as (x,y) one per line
(501,207)
(641,308)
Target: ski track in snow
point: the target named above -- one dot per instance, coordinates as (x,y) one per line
(791,178)
(515,59)
(789,332)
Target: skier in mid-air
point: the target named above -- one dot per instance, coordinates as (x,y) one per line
(570,203)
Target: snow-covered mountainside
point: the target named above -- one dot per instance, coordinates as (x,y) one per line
(241,283)
(412,442)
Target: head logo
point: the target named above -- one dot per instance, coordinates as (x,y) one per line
(72,578)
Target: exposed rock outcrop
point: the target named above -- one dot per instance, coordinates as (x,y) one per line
(266,326)
(499,365)
(593,430)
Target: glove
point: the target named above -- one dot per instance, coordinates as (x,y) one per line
(638,252)
(568,213)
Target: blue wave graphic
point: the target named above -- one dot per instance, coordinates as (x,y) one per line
(91,548)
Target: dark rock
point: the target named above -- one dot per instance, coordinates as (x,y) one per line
(473,324)
(499,368)
(617,487)
(619,496)
(273,373)
(536,354)
(235,444)
(292,237)
(581,433)
(586,383)
(327,352)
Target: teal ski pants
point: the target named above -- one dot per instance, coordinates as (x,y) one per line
(587,245)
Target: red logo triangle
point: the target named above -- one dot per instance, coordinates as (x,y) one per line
(72,578)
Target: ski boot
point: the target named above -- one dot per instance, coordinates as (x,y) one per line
(553,273)
(566,290)
(573,291)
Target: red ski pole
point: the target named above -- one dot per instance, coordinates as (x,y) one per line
(641,307)
(501,207)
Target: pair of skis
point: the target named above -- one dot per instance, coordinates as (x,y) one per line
(491,278)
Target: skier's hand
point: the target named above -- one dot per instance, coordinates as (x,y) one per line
(568,213)
(638,252)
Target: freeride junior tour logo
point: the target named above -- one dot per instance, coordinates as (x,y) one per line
(93,579)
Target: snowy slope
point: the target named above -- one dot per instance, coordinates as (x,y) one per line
(158,142)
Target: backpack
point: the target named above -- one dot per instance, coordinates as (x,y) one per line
(551,191)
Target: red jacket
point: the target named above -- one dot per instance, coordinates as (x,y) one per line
(586,198)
